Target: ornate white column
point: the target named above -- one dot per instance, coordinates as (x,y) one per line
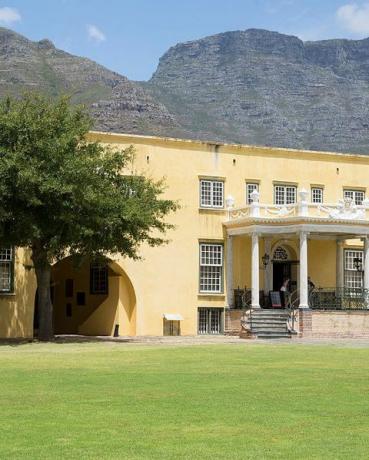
(339,264)
(268,272)
(255,271)
(366,263)
(304,300)
(229,272)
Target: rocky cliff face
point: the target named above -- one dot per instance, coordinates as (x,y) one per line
(116,103)
(266,88)
(252,86)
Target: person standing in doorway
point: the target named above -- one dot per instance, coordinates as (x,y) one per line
(284,290)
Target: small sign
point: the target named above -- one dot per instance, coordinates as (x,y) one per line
(275,299)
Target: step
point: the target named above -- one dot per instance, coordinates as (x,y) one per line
(272,327)
(273,335)
(266,320)
(270,314)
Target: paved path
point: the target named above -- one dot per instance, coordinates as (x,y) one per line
(213,340)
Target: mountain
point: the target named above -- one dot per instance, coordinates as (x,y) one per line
(254,86)
(262,87)
(116,102)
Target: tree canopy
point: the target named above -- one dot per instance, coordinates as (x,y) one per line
(61,194)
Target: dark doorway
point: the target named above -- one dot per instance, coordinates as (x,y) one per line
(281,271)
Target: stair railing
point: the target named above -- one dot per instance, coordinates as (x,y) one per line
(291,305)
(246,306)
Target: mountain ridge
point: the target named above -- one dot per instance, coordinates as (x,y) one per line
(253,87)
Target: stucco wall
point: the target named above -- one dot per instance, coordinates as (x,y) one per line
(16,310)
(166,280)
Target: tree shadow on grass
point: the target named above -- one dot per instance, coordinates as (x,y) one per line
(66,339)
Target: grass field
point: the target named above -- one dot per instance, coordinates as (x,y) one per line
(117,401)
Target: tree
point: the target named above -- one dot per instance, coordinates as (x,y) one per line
(62,195)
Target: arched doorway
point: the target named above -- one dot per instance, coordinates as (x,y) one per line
(92,298)
(284,266)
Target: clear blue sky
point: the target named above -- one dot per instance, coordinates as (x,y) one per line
(129,36)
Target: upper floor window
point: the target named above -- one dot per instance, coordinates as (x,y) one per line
(356,195)
(98,278)
(285,194)
(250,187)
(6,269)
(211,193)
(316,195)
(211,267)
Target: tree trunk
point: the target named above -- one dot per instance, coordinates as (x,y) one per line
(45,307)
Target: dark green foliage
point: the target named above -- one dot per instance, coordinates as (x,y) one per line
(60,194)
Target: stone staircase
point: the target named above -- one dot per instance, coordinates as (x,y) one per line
(266,324)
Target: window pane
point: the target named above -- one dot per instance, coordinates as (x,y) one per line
(279,194)
(359,197)
(211,267)
(316,195)
(249,189)
(217,194)
(6,269)
(209,321)
(348,194)
(356,195)
(353,277)
(284,194)
(205,193)
(211,254)
(5,254)
(290,195)
(211,194)
(99,279)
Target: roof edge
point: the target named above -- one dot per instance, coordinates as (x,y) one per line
(223,146)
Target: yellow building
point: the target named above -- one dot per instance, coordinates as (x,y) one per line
(250,217)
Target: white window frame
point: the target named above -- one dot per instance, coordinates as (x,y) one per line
(6,270)
(250,187)
(353,277)
(211,261)
(282,192)
(317,194)
(357,195)
(210,321)
(211,193)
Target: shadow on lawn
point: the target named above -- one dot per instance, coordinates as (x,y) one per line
(66,339)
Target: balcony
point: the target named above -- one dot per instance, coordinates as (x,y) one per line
(344,210)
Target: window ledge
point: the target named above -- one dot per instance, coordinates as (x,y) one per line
(7,294)
(218,210)
(211,294)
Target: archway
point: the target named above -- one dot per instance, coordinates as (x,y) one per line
(92,298)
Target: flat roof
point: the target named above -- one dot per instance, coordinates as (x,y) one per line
(223,147)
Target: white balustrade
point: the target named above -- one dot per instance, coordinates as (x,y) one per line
(345,209)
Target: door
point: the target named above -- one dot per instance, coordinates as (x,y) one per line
(281,271)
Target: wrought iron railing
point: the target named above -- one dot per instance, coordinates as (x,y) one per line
(339,298)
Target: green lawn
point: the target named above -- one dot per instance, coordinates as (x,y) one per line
(117,401)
